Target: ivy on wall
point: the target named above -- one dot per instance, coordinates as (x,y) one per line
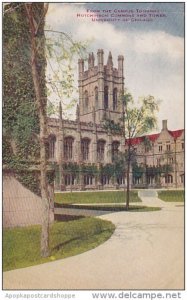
(20,118)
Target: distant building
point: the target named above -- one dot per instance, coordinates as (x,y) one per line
(162,158)
(81,149)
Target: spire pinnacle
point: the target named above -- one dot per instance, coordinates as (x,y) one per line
(109,61)
(91,59)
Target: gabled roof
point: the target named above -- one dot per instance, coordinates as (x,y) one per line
(176,133)
(138,140)
(153,137)
(135,141)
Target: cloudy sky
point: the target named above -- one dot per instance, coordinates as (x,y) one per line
(153,50)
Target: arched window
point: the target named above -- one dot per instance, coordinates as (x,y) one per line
(169,179)
(96,97)
(150,179)
(115,99)
(136,180)
(105,179)
(88,179)
(182,178)
(100,150)
(52,142)
(85,148)
(115,149)
(120,180)
(86,100)
(106,97)
(69,179)
(68,148)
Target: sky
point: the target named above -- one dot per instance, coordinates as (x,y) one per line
(152,46)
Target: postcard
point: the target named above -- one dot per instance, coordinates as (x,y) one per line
(93,150)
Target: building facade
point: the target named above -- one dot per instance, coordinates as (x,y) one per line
(82,151)
(159,159)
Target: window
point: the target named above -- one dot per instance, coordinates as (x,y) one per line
(52,142)
(168,179)
(150,179)
(69,179)
(100,150)
(168,147)
(96,97)
(85,149)
(160,148)
(115,99)
(120,180)
(171,160)
(106,97)
(158,161)
(115,149)
(105,179)
(136,180)
(68,148)
(86,101)
(88,180)
(182,178)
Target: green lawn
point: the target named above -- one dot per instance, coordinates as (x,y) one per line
(21,246)
(171,196)
(96,197)
(109,207)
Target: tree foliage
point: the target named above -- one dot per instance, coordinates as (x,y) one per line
(61,52)
(135,121)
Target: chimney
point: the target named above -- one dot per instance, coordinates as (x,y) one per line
(164,125)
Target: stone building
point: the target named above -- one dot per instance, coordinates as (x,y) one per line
(82,149)
(161,160)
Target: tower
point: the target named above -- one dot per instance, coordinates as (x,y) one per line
(100,88)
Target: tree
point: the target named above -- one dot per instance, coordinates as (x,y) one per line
(36,28)
(135,121)
(25,98)
(137,171)
(61,51)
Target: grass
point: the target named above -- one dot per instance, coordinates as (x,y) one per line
(96,197)
(21,246)
(171,196)
(109,207)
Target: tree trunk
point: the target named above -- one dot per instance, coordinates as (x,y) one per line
(128,185)
(167,172)
(44,191)
(175,166)
(41,106)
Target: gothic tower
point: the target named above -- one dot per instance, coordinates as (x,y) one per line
(100,88)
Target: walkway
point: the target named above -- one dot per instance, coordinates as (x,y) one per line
(145,252)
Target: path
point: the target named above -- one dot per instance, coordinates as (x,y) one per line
(145,252)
